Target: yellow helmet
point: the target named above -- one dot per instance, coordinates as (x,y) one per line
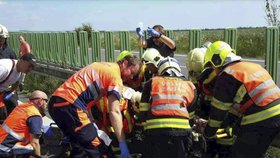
(4,31)
(123,54)
(195,60)
(153,56)
(217,53)
(169,65)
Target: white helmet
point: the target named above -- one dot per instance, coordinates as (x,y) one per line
(153,56)
(169,65)
(3,31)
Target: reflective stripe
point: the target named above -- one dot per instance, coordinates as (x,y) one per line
(235,110)
(169,107)
(214,123)
(229,70)
(22,149)
(260,87)
(260,116)
(11,132)
(266,94)
(208,98)
(4,148)
(220,105)
(167,123)
(144,124)
(192,114)
(144,106)
(129,123)
(177,97)
(227,141)
(241,92)
(256,75)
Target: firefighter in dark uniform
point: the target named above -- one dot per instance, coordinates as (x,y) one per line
(164,112)
(249,89)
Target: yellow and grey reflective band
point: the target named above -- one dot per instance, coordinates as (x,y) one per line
(4,148)
(11,132)
(266,94)
(221,105)
(226,141)
(260,87)
(18,146)
(220,130)
(229,131)
(192,114)
(208,97)
(101,103)
(115,149)
(128,117)
(229,70)
(111,129)
(260,116)
(214,123)
(144,106)
(241,92)
(235,112)
(170,107)
(177,97)
(144,124)
(168,123)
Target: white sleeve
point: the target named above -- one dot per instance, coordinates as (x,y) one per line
(4,72)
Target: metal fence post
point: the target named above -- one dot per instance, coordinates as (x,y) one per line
(83,39)
(170,34)
(195,38)
(230,37)
(272,51)
(109,46)
(124,41)
(96,46)
(73,50)
(47,47)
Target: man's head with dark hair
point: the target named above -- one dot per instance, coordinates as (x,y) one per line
(159,28)
(26,63)
(30,58)
(129,66)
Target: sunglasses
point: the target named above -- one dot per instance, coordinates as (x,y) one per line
(46,100)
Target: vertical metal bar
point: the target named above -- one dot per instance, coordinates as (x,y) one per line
(195,38)
(272,51)
(230,37)
(96,46)
(73,49)
(83,37)
(109,46)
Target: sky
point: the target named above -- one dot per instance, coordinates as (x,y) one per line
(125,15)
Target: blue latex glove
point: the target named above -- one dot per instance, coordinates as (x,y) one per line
(140,32)
(153,33)
(124,150)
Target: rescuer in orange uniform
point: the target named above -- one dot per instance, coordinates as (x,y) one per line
(68,104)
(248,88)
(164,114)
(20,132)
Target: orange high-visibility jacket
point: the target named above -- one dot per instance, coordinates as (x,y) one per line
(171,96)
(128,120)
(257,81)
(16,126)
(91,83)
